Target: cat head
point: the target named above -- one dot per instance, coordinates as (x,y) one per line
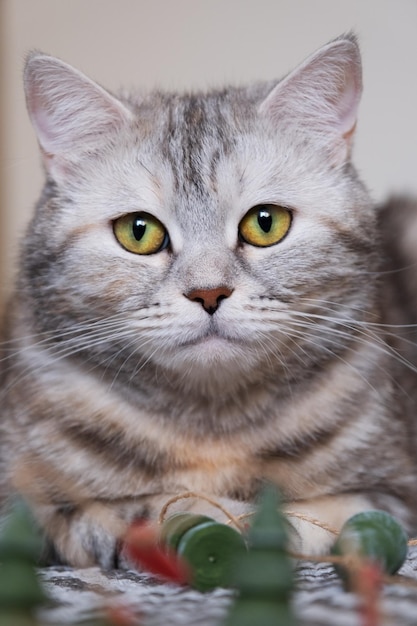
(196,233)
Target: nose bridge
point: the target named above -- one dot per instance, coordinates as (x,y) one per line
(207,269)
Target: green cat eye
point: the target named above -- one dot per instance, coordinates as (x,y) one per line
(140,233)
(265,225)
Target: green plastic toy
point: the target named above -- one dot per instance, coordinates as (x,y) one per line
(375,535)
(264,576)
(20,549)
(209,548)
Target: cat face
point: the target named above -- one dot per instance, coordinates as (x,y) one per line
(213,236)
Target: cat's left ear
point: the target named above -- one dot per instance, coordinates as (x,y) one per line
(320,98)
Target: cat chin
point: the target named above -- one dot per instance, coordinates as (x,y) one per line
(213,363)
(210,352)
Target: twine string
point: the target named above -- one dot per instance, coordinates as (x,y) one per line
(350,562)
(200,496)
(313,521)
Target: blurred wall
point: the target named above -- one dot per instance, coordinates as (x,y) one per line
(186,43)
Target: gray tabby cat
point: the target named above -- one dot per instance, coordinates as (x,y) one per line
(198,308)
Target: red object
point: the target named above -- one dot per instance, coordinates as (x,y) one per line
(142,548)
(368,585)
(120,616)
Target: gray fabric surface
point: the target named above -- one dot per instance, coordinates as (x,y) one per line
(319,599)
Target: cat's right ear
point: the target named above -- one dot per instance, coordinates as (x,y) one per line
(70,113)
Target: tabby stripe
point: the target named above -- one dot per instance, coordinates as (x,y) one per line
(115,448)
(246,492)
(305,444)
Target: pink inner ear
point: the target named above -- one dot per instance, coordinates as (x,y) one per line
(348,100)
(324,92)
(45,137)
(70,113)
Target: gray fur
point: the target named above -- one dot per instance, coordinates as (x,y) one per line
(120,390)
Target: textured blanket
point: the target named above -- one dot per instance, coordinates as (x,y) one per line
(319,599)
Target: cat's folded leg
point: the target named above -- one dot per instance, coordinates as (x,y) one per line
(91,533)
(315,523)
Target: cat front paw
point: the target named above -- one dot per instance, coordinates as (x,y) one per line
(316,523)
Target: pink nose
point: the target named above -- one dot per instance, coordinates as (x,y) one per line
(209,298)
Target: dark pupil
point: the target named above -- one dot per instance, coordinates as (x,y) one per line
(265,220)
(139,227)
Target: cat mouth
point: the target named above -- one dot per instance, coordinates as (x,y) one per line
(210,337)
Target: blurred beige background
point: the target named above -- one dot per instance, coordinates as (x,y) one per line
(197,43)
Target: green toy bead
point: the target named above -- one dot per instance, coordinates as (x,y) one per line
(173,528)
(12,618)
(376,535)
(211,550)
